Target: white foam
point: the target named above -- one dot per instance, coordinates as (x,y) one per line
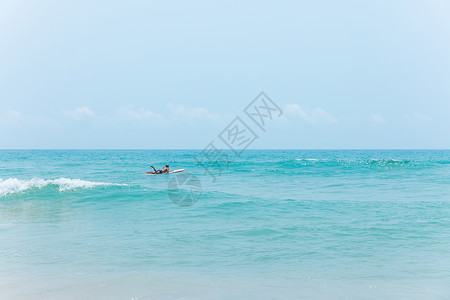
(14,185)
(308,159)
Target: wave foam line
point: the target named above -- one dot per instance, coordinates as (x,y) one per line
(14,185)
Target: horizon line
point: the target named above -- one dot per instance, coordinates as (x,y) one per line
(226,149)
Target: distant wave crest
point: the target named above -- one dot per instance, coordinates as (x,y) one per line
(373,161)
(14,185)
(336,164)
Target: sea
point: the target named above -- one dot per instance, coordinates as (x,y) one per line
(261,224)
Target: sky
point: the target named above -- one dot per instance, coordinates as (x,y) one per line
(174,74)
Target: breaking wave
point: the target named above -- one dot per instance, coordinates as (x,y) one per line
(14,185)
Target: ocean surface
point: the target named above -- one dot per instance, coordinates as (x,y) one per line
(270,224)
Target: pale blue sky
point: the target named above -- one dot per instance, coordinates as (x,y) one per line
(172,74)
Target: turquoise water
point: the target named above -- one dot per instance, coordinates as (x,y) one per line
(276,224)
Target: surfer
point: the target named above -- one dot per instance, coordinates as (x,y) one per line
(164,170)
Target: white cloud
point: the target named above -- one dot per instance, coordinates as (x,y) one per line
(83,112)
(310,115)
(197,113)
(15,118)
(377,119)
(11,117)
(295,109)
(138,114)
(12,114)
(418,117)
(175,113)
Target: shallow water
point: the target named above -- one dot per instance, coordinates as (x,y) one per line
(274,224)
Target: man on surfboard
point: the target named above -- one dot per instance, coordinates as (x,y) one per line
(164,170)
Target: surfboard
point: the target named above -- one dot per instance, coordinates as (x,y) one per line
(174,171)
